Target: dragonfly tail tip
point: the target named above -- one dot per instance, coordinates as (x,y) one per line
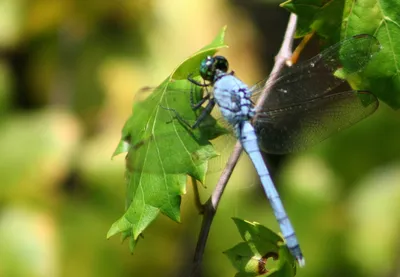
(301,261)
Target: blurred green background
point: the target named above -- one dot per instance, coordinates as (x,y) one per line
(69,71)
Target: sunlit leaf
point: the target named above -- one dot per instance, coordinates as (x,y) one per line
(381,19)
(163,150)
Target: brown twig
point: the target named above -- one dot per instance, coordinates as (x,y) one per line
(211,205)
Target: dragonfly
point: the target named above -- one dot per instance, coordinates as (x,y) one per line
(301,109)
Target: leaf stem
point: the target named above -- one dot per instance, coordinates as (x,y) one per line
(211,205)
(197,201)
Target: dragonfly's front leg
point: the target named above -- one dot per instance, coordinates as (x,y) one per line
(193,81)
(207,110)
(196,106)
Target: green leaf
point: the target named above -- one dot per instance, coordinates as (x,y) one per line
(260,245)
(381,19)
(162,149)
(339,19)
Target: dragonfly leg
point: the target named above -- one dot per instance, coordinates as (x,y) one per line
(177,116)
(207,110)
(196,106)
(193,81)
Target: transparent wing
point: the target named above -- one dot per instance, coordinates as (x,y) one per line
(298,126)
(319,75)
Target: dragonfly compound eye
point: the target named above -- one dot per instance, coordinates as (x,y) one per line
(207,68)
(221,63)
(210,65)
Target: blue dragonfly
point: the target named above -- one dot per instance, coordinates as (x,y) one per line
(303,108)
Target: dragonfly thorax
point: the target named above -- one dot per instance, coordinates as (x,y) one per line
(233,98)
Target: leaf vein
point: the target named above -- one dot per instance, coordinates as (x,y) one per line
(385,19)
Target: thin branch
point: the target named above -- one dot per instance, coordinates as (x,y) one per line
(212,204)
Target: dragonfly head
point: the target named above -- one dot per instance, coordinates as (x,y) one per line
(211,65)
